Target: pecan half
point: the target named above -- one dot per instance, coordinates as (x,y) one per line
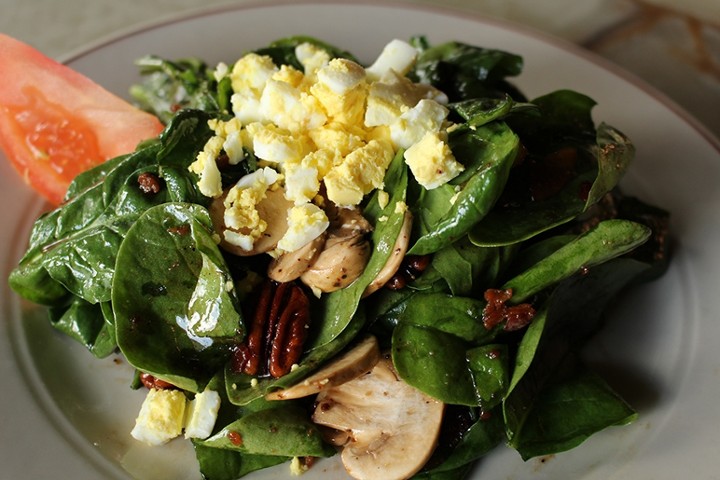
(278,331)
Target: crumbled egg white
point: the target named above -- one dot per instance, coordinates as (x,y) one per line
(201,414)
(164,415)
(397,56)
(332,123)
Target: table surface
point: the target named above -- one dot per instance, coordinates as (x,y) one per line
(673,46)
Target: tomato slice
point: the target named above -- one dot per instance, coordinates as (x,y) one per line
(56,123)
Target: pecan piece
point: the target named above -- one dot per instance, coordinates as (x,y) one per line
(277,333)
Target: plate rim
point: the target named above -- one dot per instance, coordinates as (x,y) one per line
(569,47)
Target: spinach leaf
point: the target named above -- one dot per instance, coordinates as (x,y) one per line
(469,269)
(490,367)
(489,151)
(545,355)
(455,315)
(452,458)
(609,239)
(476,112)
(434,362)
(565,119)
(464,71)
(570,167)
(175,306)
(224,464)
(168,86)
(337,308)
(86,323)
(218,463)
(567,412)
(283,430)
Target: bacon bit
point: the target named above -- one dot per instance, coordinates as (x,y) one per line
(151,382)
(235,438)
(518,317)
(496,311)
(149,183)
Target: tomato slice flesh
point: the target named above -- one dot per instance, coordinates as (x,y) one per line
(56,123)
(56,137)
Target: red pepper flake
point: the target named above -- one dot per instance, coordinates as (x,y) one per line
(496,311)
(235,438)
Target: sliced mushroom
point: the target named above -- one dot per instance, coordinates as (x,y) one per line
(392,427)
(357,361)
(272,209)
(396,257)
(345,254)
(289,266)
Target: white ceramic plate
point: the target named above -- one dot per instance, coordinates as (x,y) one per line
(67,415)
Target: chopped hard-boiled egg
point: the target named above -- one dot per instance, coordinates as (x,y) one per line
(161,417)
(201,414)
(431,161)
(426,116)
(252,72)
(164,415)
(241,213)
(305,223)
(397,56)
(331,124)
(341,90)
(394,95)
(311,57)
(275,144)
(362,171)
(205,166)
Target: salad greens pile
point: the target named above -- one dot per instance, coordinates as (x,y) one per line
(536,211)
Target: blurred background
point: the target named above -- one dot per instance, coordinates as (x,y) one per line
(672,45)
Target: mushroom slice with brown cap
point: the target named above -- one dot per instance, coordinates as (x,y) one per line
(392,427)
(272,209)
(396,256)
(289,266)
(346,252)
(355,362)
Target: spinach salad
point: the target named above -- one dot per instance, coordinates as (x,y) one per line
(506,272)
